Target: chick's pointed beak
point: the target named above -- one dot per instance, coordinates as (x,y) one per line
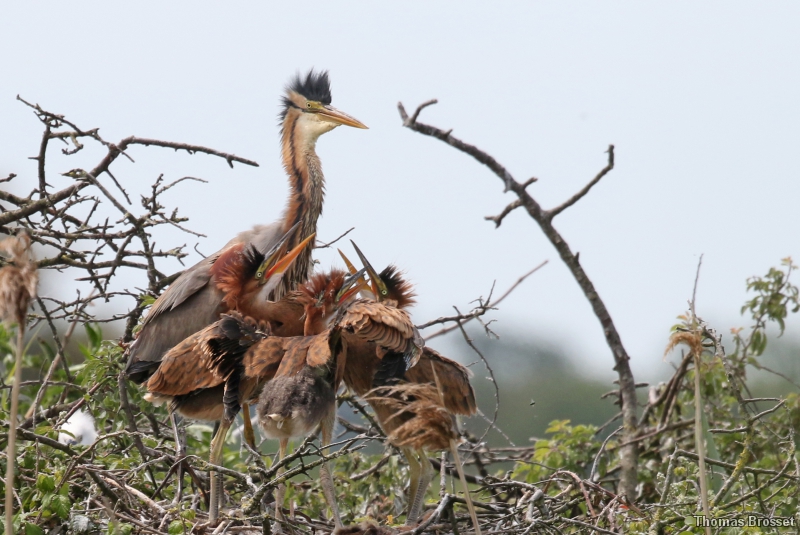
(362,282)
(350,287)
(273,255)
(378,287)
(333,115)
(284,263)
(350,267)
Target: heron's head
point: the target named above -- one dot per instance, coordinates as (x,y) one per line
(398,288)
(278,259)
(325,293)
(307,107)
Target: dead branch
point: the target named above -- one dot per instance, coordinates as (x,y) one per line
(480,310)
(543,218)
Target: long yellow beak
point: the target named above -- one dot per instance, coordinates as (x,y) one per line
(362,282)
(350,287)
(284,263)
(378,287)
(273,255)
(339,117)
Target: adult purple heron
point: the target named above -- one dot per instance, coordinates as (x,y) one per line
(196,299)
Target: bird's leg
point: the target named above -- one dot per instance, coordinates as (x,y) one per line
(325,471)
(215,457)
(249,434)
(425,476)
(413,476)
(280,492)
(180,452)
(457,461)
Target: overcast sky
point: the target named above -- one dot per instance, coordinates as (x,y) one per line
(701,100)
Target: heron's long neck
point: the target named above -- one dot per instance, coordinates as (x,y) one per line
(306,193)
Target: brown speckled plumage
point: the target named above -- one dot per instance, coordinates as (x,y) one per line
(382,340)
(457,392)
(239,344)
(199,367)
(418,419)
(18,280)
(406,402)
(383,323)
(301,396)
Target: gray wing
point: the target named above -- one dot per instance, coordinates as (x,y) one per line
(189,283)
(263,237)
(191,303)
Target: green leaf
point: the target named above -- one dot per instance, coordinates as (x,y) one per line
(176,527)
(43,429)
(33,529)
(45,483)
(61,505)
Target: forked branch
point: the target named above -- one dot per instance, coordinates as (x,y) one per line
(628,454)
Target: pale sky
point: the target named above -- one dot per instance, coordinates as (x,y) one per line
(701,101)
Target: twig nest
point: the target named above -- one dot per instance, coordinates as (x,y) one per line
(18,280)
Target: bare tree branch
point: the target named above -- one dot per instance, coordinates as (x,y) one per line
(575,198)
(498,219)
(321,245)
(480,310)
(629,455)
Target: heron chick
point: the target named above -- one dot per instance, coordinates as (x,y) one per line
(373,365)
(302,395)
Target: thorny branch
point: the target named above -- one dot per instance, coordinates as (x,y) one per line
(72,238)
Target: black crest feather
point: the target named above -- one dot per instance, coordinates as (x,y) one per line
(314,86)
(251,261)
(399,289)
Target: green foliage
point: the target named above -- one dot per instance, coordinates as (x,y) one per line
(377,495)
(774,298)
(571,448)
(746,434)
(67,486)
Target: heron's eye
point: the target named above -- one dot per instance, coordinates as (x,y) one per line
(308,105)
(259,274)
